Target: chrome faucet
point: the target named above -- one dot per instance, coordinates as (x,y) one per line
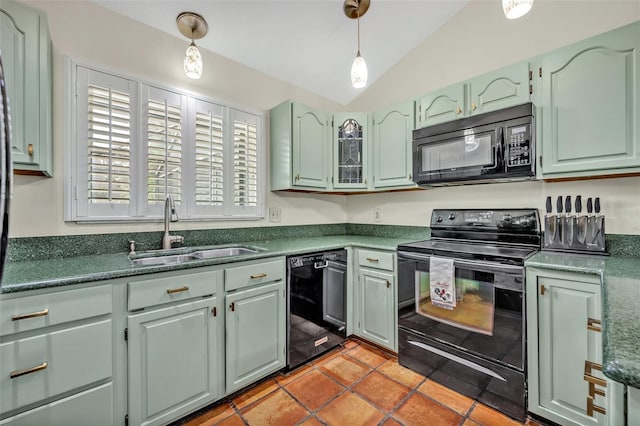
(170,216)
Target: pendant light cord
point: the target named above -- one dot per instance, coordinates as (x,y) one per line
(358,11)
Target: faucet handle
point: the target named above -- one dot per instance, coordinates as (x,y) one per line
(178,239)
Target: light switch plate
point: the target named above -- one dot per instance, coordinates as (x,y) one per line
(377,215)
(274,214)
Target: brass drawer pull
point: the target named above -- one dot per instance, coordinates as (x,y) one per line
(41,313)
(593,323)
(261,275)
(18,373)
(593,391)
(591,407)
(177,290)
(371,259)
(30,149)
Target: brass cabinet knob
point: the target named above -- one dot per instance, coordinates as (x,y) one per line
(30,149)
(473,106)
(458,110)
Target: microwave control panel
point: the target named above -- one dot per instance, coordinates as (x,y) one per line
(519,146)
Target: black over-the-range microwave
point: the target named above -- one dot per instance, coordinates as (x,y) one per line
(497,146)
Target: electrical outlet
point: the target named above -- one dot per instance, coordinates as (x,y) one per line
(274,214)
(377,215)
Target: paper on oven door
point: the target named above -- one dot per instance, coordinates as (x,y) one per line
(442,282)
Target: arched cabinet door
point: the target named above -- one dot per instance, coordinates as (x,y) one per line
(440,106)
(391,142)
(309,147)
(506,87)
(350,152)
(591,106)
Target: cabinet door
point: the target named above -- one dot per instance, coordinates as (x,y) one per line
(440,106)
(26,50)
(559,343)
(310,143)
(591,95)
(633,406)
(172,361)
(377,308)
(503,88)
(255,334)
(350,136)
(392,146)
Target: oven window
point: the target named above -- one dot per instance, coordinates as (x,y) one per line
(472,150)
(474,308)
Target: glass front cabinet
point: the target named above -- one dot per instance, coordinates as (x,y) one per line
(350,135)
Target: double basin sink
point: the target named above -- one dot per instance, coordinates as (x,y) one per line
(170,257)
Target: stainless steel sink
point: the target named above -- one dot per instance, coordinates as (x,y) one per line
(172,258)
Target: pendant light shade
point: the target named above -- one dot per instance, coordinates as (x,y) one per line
(514,9)
(193,62)
(354,9)
(359,72)
(193,26)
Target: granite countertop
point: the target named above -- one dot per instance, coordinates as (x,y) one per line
(621,315)
(37,274)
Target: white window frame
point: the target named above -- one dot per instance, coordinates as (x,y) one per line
(78,209)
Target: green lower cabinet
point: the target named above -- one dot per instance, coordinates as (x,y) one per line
(564,351)
(376,307)
(633,406)
(172,359)
(391,145)
(590,101)
(94,406)
(255,341)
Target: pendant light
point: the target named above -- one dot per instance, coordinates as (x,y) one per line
(354,9)
(192,26)
(514,9)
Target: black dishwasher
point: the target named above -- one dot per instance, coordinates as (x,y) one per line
(316,305)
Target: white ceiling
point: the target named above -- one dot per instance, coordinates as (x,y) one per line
(307,43)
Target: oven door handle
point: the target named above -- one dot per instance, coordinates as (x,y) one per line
(484,265)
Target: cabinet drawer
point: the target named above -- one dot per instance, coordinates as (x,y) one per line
(49,364)
(43,310)
(258,273)
(94,406)
(376,259)
(166,289)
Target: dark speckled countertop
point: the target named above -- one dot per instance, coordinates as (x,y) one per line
(621,311)
(36,274)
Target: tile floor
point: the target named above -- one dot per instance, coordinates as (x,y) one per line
(354,385)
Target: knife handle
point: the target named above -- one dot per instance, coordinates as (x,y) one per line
(578,204)
(589,205)
(567,204)
(559,204)
(597,205)
(549,205)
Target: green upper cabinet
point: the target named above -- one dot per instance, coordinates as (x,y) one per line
(443,105)
(300,138)
(391,146)
(566,385)
(350,138)
(503,88)
(591,106)
(27,63)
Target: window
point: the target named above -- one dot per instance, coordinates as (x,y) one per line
(135,143)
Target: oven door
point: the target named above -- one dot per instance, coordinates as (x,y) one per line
(460,155)
(488,319)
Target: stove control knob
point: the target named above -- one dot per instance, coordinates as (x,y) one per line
(439,219)
(506,218)
(452,216)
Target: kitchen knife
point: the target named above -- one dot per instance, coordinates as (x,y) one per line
(598,224)
(568,220)
(550,223)
(581,221)
(560,225)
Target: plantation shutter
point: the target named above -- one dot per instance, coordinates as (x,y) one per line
(105,133)
(163,136)
(207,125)
(246,163)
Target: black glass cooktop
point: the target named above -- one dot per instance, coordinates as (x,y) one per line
(476,250)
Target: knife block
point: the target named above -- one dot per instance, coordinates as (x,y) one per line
(572,238)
